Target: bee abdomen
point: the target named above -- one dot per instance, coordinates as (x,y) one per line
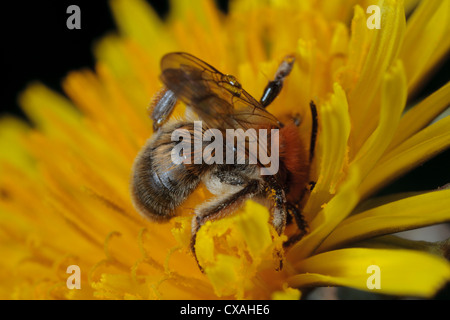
(158,185)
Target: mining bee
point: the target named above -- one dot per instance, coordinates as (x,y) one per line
(159,185)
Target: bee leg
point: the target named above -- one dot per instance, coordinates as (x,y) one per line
(274,87)
(221,208)
(280,209)
(298,217)
(275,193)
(279,219)
(161,106)
(301,224)
(315,128)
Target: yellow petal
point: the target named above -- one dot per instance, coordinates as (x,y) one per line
(138,21)
(12,134)
(393,100)
(50,111)
(401,272)
(335,10)
(410,5)
(410,213)
(382,53)
(421,115)
(198,22)
(328,218)
(417,149)
(128,60)
(331,151)
(287,294)
(358,48)
(439,248)
(426,40)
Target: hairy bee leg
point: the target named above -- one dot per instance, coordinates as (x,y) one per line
(301,224)
(280,210)
(275,192)
(161,106)
(274,87)
(298,217)
(294,239)
(220,209)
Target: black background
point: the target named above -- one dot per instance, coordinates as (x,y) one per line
(37,45)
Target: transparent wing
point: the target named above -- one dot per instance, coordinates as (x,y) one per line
(218,99)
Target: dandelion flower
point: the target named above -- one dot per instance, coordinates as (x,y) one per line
(64,183)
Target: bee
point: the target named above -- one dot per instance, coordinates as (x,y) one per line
(159,186)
